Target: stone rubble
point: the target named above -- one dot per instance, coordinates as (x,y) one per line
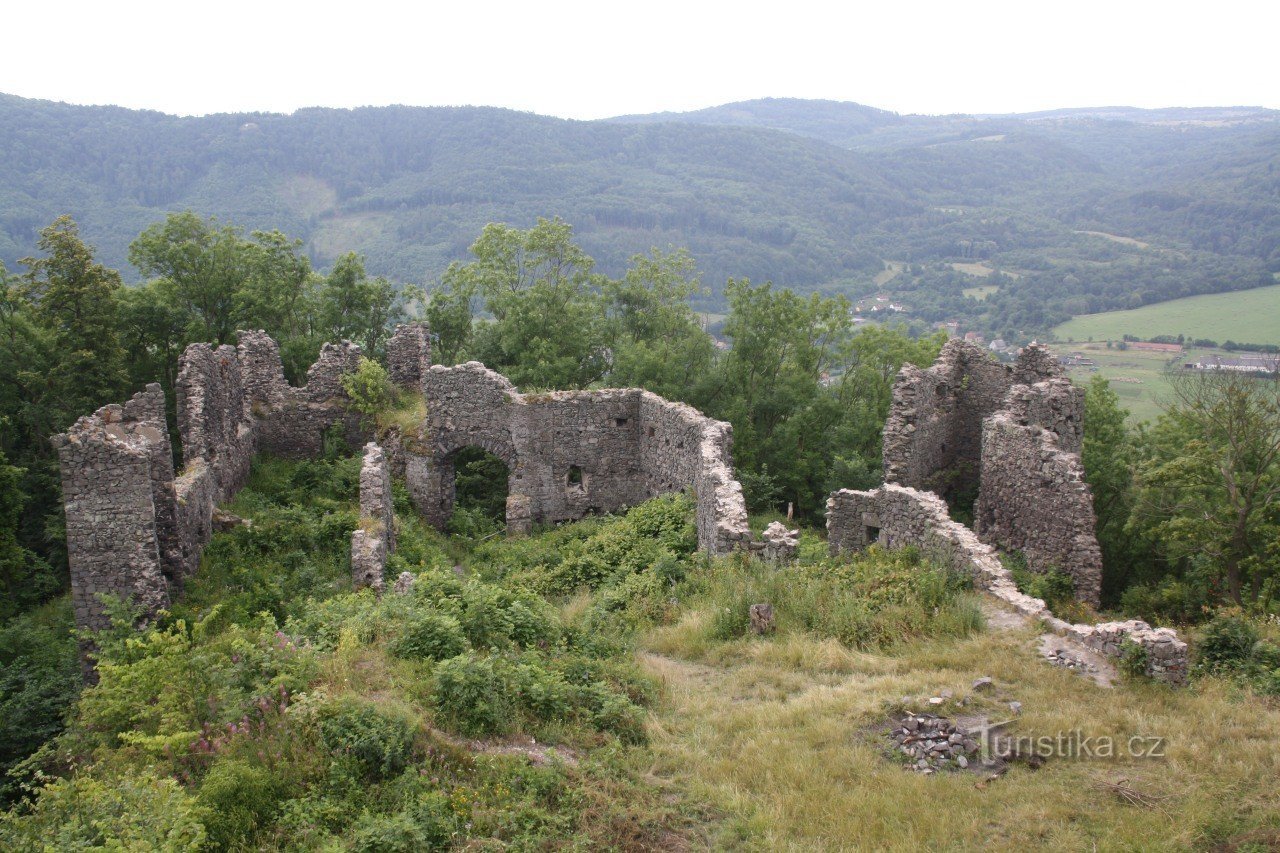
(932,743)
(1063,658)
(780,545)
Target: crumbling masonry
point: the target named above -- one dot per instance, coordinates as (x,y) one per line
(1009,435)
(136,528)
(896,516)
(572,453)
(1012,436)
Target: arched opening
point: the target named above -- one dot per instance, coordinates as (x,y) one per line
(479,494)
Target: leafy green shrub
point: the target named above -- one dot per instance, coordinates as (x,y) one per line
(1055,586)
(236,801)
(473,523)
(393,833)
(1227,644)
(1134,659)
(430,636)
(370,390)
(39,680)
(377,742)
(471,695)
(132,811)
(1171,600)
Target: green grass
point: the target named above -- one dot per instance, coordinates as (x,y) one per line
(982,291)
(1247,316)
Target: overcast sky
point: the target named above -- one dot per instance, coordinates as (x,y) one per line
(595,59)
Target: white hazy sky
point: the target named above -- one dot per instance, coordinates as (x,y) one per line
(594,59)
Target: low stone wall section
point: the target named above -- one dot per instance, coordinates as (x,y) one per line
(895,516)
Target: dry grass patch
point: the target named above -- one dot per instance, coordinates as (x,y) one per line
(774,733)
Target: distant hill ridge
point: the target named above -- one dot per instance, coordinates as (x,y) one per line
(809,194)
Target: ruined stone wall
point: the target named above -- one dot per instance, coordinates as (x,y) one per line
(571,453)
(896,516)
(292,421)
(679,446)
(135,528)
(117,495)
(409,355)
(933,436)
(375,539)
(1034,498)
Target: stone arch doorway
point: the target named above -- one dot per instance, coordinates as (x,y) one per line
(481,484)
(434,481)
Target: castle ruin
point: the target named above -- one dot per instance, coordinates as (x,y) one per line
(1010,436)
(136,527)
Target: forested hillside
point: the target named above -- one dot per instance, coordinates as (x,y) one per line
(1055,214)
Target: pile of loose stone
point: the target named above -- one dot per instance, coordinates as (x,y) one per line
(1063,658)
(933,743)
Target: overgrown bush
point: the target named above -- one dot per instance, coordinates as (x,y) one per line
(1134,659)
(135,810)
(374,740)
(1227,644)
(471,695)
(237,800)
(430,636)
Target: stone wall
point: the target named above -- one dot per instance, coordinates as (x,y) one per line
(933,436)
(117,489)
(375,539)
(292,422)
(1034,498)
(572,453)
(1009,435)
(896,516)
(409,355)
(135,528)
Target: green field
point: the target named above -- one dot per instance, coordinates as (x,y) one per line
(1246,316)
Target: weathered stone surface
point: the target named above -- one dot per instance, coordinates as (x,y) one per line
(376,538)
(114,491)
(404,583)
(572,453)
(1034,498)
(1012,436)
(409,355)
(761,618)
(780,544)
(897,516)
(933,437)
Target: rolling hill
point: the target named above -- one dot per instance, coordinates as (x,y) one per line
(813,195)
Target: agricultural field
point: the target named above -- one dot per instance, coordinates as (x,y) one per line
(1139,378)
(1247,316)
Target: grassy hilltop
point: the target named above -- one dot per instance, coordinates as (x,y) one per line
(596,687)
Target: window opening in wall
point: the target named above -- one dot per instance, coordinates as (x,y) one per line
(620,422)
(575,477)
(872,534)
(650,432)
